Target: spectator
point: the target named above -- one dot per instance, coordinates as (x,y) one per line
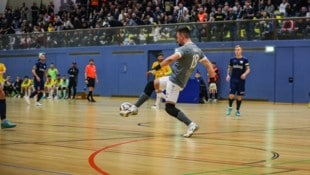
(34,13)
(282,7)
(269,8)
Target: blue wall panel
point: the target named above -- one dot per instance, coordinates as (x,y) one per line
(114,79)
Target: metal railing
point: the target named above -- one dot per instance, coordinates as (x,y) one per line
(242,30)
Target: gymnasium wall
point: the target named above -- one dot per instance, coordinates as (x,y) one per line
(279,76)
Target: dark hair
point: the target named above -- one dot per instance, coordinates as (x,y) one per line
(185,31)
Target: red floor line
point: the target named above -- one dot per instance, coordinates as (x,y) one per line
(91,158)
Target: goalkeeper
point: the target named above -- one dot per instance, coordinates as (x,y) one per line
(163,71)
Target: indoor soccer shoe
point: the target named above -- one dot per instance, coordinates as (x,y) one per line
(7,124)
(27,99)
(191,129)
(237,113)
(228,111)
(38,104)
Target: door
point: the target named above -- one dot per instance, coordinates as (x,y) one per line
(284,75)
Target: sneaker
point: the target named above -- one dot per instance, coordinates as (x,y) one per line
(133,110)
(155,107)
(27,99)
(7,124)
(237,113)
(191,129)
(214,101)
(228,111)
(38,104)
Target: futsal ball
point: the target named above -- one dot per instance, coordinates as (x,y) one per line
(125,106)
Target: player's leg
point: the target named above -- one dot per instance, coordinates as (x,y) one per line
(145,95)
(91,87)
(4,122)
(33,93)
(159,87)
(157,84)
(74,88)
(173,92)
(70,86)
(231,98)
(40,91)
(240,94)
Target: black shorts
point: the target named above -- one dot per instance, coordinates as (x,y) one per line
(237,86)
(38,85)
(91,82)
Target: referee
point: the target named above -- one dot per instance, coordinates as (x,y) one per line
(90,79)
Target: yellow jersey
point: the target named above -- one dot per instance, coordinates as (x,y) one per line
(2,71)
(49,83)
(164,71)
(26,83)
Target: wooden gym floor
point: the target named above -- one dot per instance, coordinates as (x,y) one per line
(74,137)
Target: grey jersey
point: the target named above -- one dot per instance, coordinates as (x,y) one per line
(184,66)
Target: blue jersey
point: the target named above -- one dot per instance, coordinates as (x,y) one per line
(238,67)
(40,69)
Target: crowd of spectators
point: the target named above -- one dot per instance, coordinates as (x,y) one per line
(108,14)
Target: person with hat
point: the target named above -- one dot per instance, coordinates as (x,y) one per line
(73,79)
(39,72)
(163,71)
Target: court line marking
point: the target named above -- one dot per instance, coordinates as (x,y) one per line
(34,169)
(91,158)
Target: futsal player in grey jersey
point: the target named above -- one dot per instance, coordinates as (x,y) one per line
(186,58)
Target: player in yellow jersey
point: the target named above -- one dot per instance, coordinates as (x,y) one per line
(64,87)
(164,71)
(49,87)
(26,86)
(57,86)
(5,123)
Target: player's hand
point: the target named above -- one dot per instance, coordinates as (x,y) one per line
(86,82)
(151,72)
(38,78)
(243,76)
(227,78)
(212,88)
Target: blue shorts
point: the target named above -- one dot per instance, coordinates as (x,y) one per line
(38,85)
(237,86)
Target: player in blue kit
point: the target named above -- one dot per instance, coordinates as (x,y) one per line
(186,58)
(39,73)
(238,69)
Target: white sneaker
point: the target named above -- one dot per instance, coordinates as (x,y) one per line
(38,104)
(191,129)
(155,107)
(133,110)
(27,99)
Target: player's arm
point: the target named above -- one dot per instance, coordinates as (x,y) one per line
(229,70)
(212,86)
(85,74)
(3,70)
(166,62)
(34,73)
(97,80)
(206,62)
(247,71)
